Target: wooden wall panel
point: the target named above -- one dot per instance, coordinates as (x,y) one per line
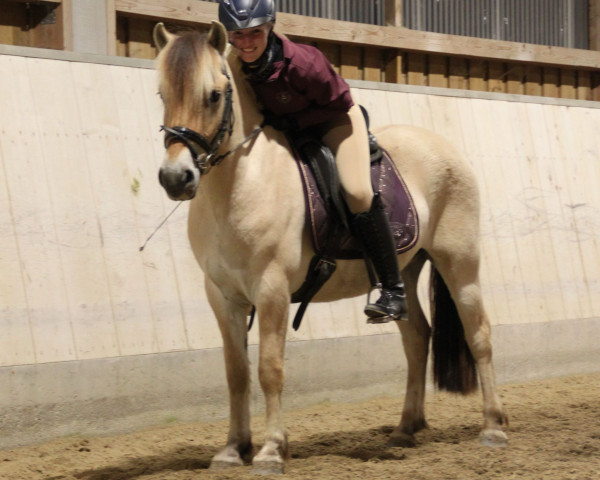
(79,233)
(350,63)
(438,71)
(34,24)
(515,79)
(478,75)
(16,341)
(584,85)
(373,70)
(496,77)
(458,73)
(79,151)
(45,317)
(416,70)
(533,81)
(578,147)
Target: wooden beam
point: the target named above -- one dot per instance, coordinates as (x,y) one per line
(458,73)
(496,77)
(478,75)
(438,71)
(350,59)
(394,67)
(188,11)
(584,85)
(515,79)
(192,11)
(67,24)
(372,65)
(533,81)
(393,13)
(568,84)
(551,80)
(36,1)
(111,27)
(417,69)
(594,24)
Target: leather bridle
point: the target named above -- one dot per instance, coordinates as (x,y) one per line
(198,143)
(195,141)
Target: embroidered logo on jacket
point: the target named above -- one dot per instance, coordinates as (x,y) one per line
(283,97)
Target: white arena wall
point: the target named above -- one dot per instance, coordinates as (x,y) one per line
(97,337)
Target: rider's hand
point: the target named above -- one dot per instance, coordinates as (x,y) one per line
(278,122)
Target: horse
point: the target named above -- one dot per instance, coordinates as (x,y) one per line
(246,227)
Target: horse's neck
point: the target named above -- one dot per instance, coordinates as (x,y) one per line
(256,170)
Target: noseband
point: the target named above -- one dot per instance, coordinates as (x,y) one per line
(196,142)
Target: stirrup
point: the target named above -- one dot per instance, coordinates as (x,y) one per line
(379,319)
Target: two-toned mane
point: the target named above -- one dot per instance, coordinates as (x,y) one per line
(247,230)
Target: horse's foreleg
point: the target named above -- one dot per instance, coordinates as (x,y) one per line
(415,339)
(232,323)
(273,318)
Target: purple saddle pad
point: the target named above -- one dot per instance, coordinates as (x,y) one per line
(386,180)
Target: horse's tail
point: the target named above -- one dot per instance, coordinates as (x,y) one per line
(454,368)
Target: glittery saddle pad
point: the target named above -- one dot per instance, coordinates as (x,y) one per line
(386,179)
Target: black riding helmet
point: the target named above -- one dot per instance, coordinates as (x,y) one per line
(239,14)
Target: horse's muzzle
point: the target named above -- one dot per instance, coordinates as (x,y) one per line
(179,183)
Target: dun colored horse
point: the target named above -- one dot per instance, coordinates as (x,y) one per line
(247,230)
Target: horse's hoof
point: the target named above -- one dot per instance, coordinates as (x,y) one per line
(226,458)
(268,467)
(217,465)
(401,440)
(493,438)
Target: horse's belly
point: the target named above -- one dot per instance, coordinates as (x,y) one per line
(350,279)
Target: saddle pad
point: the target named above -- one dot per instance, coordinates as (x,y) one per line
(386,179)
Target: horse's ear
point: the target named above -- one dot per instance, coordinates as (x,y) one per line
(217,36)
(161,36)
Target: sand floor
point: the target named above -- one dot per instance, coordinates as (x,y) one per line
(554,433)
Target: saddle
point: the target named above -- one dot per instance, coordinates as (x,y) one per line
(328,217)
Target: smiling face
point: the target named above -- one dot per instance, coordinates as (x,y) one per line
(251,43)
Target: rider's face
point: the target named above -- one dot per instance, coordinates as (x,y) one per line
(250,42)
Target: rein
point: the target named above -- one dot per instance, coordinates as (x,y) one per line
(192,139)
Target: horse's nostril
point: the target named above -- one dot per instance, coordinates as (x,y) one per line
(189,176)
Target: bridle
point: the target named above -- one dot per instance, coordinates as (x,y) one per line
(196,142)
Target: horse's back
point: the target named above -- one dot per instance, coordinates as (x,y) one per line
(430,164)
(440,180)
(414,147)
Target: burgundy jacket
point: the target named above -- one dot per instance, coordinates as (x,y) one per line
(304,86)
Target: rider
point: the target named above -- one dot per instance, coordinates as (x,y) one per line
(298,88)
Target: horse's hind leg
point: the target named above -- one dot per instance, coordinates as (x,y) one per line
(461,275)
(415,338)
(232,323)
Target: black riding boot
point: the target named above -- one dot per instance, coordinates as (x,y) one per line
(374,232)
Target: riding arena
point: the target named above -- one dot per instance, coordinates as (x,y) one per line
(147,330)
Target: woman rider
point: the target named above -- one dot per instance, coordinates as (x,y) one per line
(298,88)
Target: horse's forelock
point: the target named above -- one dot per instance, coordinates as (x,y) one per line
(190,65)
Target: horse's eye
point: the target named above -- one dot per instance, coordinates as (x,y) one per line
(215,96)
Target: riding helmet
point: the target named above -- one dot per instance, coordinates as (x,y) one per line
(239,14)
